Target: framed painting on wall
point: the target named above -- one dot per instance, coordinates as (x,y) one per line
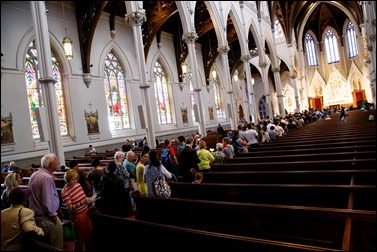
(92,122)
(7,129)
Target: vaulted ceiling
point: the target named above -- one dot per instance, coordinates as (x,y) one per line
(164,16)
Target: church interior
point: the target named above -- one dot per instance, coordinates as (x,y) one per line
(100,74)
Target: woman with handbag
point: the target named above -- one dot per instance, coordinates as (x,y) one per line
(153,171)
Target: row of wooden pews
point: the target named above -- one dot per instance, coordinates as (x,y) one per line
(311,190)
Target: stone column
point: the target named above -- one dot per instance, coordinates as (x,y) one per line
(263,65)
(136,19)
(280,96)
(250,88)
(42,41)
(294,85)
(228,83)
(190,38)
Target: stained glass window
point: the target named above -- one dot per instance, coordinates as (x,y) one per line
(218,97)
(262,107)
(278,29)
(162,94)
(116,93)
(351,41)
(310,50)
(34,90)
(331,44)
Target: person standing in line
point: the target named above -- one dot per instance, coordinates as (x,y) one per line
(77,203)
(129,165)
(188,160)
(95,175)
(16,221)
(115,198)
(220,133)
(83,178)
(152,171)
(219,154)
(141,185)
(44,200)
(205,156)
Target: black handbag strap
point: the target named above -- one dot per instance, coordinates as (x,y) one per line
(19,217)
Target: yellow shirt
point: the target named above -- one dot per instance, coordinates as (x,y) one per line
(141,185)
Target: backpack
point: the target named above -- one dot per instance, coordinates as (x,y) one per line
(165,157)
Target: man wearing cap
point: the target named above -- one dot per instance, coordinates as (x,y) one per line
(17,220)
(44,200)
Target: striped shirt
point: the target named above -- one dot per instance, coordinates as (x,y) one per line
(74,198)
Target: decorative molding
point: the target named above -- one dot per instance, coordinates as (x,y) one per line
(190,37)
(246,58)
(223,49)
(87,79)
(136,18)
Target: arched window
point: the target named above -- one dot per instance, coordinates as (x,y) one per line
(351,41)
(162,93)
(34,90)
(310,50)
(278,29)
(218,96)
(116,93)
(331,44)
(262,107)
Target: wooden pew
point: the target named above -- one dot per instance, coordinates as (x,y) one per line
(273,146)
(164,237)
(322,227)
(343,164)
(283,142)
(315,195)
(303,157)
(320,149)
(338,177)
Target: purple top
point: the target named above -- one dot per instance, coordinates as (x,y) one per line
(44,198)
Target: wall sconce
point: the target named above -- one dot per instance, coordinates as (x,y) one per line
(235,77)
(214,74)
(67,41)
(184,69)
(252,81)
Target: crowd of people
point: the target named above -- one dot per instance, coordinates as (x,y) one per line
(110,188)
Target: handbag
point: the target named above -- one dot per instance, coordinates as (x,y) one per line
(161,187)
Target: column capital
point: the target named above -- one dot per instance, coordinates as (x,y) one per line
(47,80)
(136,18)
(190,37)
(263,64)
(144,86)
(245,58)
(275,69)
(223,49)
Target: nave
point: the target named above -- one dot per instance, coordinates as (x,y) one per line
(313,191)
